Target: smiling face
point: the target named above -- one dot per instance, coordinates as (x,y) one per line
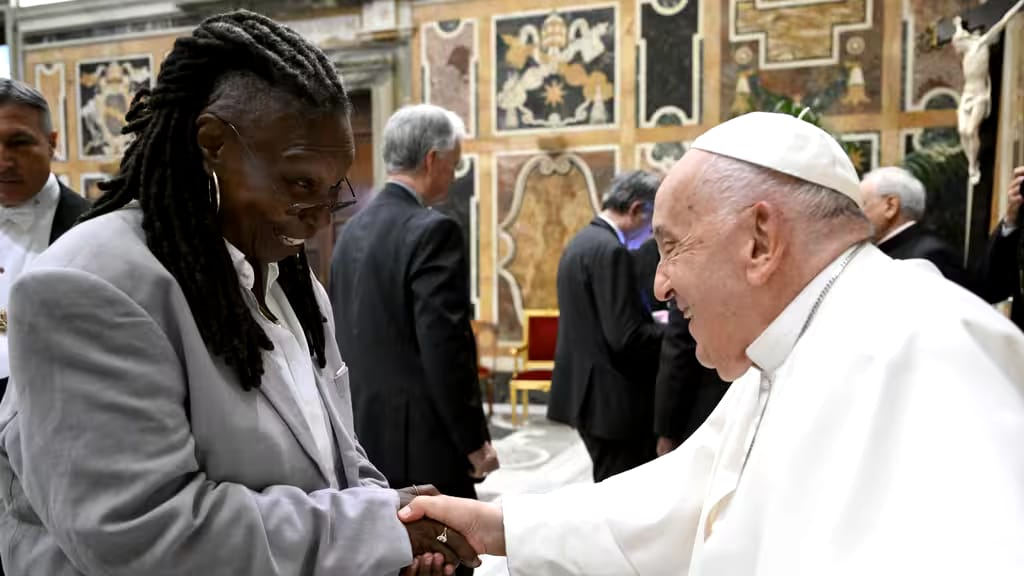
(264,168)
(25,152)
(704,266)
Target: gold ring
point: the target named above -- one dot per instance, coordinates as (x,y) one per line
(443,536)
(416,489)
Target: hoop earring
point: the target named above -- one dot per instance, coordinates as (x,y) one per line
(214,192)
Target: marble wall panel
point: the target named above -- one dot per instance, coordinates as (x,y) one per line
(555,69)
(449,64)
(931,75)
(825,55)
(105,90)
(50,80)
(542,200)
(463,205)
(670,62)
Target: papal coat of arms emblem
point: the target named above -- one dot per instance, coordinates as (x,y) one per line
(555,70)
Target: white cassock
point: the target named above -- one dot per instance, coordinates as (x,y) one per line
(891,442)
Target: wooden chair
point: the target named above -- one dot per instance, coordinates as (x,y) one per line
(534,359)
(486,334)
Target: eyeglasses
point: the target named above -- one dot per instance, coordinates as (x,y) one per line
(303,209)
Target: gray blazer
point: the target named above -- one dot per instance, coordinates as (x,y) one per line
(127,449)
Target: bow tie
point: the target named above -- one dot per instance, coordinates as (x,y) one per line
(19,216)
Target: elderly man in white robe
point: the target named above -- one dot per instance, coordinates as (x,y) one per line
(876,421)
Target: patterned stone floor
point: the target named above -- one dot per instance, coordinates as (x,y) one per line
(535,458)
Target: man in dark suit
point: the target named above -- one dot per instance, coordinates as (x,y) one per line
(686,392)
(645,266)
(606,357)
(35,207)
(400,291)
(1001,274)
(894,200)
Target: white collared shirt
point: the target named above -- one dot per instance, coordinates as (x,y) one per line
(892,234)
(769,350)
(24,234)
(618,233)
(290,359)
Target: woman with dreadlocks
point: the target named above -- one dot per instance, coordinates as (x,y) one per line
(179,405)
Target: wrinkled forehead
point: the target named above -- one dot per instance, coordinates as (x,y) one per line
(679,202)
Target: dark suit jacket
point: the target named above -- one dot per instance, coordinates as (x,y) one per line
(686,392)
(607,352)
(400,291)
(1002,271)
(69,207)
(645,266)
(918,242)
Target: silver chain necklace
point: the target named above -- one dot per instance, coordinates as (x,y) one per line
(810,316)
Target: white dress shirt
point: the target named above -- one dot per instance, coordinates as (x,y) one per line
(24,234)
(618,233)
(290,360)
(896,231)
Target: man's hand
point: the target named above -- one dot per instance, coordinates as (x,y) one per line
(665,445)
(432,557)
(1013,198)
(484,461)
(482,524)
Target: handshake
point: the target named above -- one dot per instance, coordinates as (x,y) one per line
(446,531)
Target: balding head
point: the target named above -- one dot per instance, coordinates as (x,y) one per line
(738,243)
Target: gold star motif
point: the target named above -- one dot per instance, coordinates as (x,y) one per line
(554,94)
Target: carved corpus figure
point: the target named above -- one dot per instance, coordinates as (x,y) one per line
(976,97)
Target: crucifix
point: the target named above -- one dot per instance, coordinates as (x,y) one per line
(976,97)
(973,34)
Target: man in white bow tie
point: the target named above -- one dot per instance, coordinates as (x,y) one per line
(35,208)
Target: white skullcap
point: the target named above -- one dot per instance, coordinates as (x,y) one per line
(785,144)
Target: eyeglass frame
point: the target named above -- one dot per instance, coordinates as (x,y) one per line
(301,208)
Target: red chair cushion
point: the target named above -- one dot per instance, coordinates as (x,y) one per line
(543,334)
(533,375)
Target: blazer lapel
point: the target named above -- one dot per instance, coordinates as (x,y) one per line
(276,392)
(348,461)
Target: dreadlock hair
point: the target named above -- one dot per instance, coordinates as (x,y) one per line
(163,169)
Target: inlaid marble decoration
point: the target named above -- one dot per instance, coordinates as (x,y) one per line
(449,62)
(670,62)
(931,75)
(463,205)
(50,81)
(660,157)
(555,69)
(105,91)
(826,55)
(541,201)
(863,149)
(89,184)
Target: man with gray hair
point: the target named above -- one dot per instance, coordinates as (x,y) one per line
(875,420)
(606,357)
(400,291)
(35,207)
(894,200)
